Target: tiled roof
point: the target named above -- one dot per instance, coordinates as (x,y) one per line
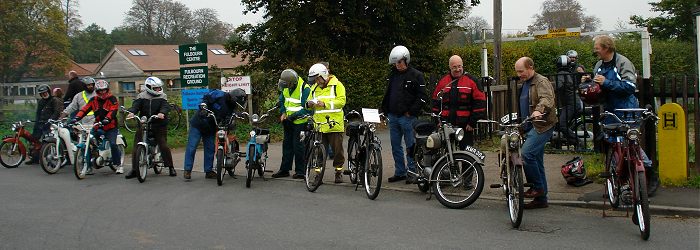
(165,57)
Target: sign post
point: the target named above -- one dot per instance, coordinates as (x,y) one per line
(557,33)
(194,76)
(197,76)
(673,155)
(240,82)
(193,53)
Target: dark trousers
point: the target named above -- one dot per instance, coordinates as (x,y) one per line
(335,140)
(467,140)
(568,113)
(292,148)
(161,136)
(40,128)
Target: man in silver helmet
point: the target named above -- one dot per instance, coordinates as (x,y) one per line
(294,92)
(48,107)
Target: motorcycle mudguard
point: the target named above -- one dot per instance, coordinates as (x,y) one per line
(22,149)
(49,139)
(444,158)
(121,141)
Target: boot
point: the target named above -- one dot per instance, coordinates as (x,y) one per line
(338,176)
(172,171)
(188,175)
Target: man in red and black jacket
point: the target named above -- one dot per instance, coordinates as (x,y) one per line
(105,107)
(462,102)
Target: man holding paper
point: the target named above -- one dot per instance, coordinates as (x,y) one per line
(328,100)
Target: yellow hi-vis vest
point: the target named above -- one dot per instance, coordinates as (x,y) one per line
(86,101)
(292,102)
(334,98)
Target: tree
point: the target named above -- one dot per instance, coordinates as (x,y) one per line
(90,44)
(34,39)
(563,14)
(296,32)
(208,28)
(674,22)
(466,30)
(141,17)
(71,16)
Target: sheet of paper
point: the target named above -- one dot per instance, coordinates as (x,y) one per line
(371,115)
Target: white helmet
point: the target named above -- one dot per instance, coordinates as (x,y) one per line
(572,53)
(398,53)
(152,83)
(318,70)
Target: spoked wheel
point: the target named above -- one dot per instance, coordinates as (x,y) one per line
(220,170)
(234,148)
(373,172)
(142,158)
(10,156)
(515,195)
(174,117)
(611,186)
(52,159)
(460,185)
(157,161)
(641,213)
(80,166)
(315,167)
(122,155)
(353,147)
(249,166)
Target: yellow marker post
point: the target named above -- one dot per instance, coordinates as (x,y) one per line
(673,154)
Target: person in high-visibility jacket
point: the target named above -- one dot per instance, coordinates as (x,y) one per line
(328,100)
(294,94)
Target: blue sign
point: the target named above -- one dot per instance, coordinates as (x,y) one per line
(191,98)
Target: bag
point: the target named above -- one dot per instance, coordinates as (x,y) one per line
(574,172)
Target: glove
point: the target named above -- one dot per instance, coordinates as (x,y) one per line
(105,122)
(73,121)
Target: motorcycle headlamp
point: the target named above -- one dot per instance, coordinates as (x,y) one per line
(14,127)
(221,134)
(252,134)
(514,140)
(459,134)
(633,134)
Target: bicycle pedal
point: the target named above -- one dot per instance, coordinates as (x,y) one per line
(496,185)
(604,175)
(528,185)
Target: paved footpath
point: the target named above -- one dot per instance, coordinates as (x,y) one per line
(672,201)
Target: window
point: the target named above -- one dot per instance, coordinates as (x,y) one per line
(128,86)
(137,52)
(218,51)
(177,51)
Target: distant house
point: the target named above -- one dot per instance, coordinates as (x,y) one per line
(127,66)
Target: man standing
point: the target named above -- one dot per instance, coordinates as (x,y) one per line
(403,101)
(462,102)
(294,93)
(615,74)
(537,101)
(75,85)
(569,103)
(328,100)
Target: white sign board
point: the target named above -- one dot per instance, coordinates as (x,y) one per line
(371,115)
(237,82)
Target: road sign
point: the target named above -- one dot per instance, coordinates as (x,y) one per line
(673,157)
(557,33)
(193,53)
(237,82)
(194,76)
(191,98)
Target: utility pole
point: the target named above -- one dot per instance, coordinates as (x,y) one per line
(497,23)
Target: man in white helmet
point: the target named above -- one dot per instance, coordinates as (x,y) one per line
(404,100)
(294,94)
(152,101)
(328,100)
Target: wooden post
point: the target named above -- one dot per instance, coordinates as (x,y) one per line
(497,23)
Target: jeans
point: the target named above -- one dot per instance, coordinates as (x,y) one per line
(111,137)
(401,127)
(533,158)
(161,139)
(193,139)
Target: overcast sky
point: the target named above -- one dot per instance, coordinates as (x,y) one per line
(517,14)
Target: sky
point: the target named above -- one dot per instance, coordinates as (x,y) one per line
(517,14)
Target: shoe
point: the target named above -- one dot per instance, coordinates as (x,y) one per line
(298,176)
(132,174)
(397,178)
(536,205)
(533,193)
(338,176)
(187,175)
(172,172)
(120,170)
(89,172)
(280,174)
(210,175)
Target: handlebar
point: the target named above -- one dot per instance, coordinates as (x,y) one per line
(646,115)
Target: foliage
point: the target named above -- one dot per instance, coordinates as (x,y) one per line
(563,14)
(90,44)
(302,32)
(34,39)
(675,20)
(71,17)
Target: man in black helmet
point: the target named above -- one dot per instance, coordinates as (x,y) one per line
(48,107)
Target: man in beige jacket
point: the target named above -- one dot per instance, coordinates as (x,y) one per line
(536,100)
